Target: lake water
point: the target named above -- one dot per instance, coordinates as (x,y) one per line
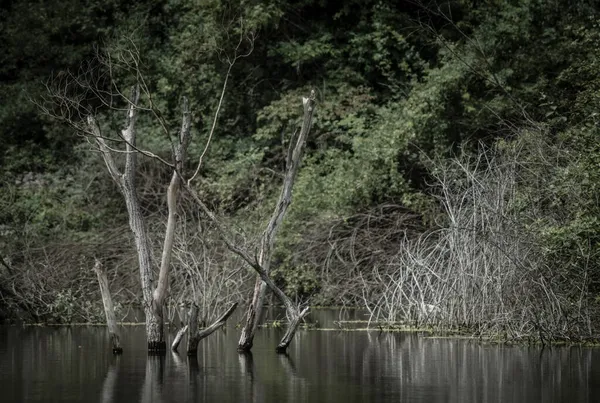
(75,364)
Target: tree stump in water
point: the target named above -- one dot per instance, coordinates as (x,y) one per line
(109,309)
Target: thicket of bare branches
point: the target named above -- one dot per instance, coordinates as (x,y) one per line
(55,283)
(342,251)
(204,273)
(483,270)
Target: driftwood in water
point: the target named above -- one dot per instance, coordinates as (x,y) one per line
(198,334)
(109,309)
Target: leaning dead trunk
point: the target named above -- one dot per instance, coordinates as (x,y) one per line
(178,337)
(293,312)
(294,319)
(294,157)
(109,309)
(261,264)
(252,316)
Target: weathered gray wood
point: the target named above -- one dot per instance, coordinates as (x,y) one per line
(261,263)
(178,337)
(109,309)
(294,157)
(137,224)
(153,299)
(192,344)
(180,149)
(197,335)
(254,310)
(292,327)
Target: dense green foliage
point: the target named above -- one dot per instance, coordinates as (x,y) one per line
(398,83)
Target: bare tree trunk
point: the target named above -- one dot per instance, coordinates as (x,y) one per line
(254,310)
(193,327)
(262,263)
(109,309)
(153,312)
(196,336)
(178,338)
(294,157)
(294,318)
(153,299)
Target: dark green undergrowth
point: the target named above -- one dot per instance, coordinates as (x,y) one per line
(402,88)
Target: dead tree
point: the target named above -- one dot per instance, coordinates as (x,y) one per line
(109,309)
(261,264)
(68,100)
(293,160)
(197,334)
(154,298)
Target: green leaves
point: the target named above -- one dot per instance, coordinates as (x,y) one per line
(316,49)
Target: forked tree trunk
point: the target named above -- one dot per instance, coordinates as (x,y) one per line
(109,309)
(195,334)
(261,264)
(153,299)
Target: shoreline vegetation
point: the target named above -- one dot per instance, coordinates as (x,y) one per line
(444,160)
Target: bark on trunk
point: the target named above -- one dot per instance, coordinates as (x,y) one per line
(254,309)
(294,322)
(192,345)
(109,309)
(293,160)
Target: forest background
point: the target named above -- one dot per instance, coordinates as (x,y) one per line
(451,176)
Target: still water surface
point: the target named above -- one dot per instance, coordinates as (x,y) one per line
(74,364)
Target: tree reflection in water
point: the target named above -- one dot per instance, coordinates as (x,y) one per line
(75,365)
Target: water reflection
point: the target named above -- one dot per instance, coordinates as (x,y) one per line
(76,365)
(152,390)
(249,385)
(108,387)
